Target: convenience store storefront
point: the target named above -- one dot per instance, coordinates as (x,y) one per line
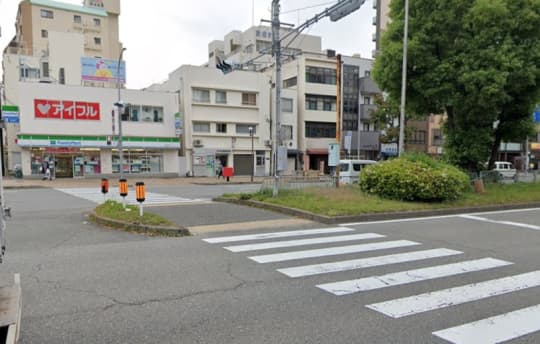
(91,156)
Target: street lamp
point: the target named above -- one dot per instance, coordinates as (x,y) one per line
(252,154)
(120,106)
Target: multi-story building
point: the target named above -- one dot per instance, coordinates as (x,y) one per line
(62,75)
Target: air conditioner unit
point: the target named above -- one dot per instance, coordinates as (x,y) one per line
(268,143)
(197,143)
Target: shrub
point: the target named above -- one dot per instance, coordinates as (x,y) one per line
(414,177)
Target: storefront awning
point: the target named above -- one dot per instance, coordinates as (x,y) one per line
(35,140)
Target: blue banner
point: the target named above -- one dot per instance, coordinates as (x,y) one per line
(95,69)
(536,115)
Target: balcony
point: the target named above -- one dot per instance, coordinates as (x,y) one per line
(366,110)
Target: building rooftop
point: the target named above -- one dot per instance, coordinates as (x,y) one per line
(69,7)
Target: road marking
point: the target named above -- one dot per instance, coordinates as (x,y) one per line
(94,195)
(277,235)
(454,296)
(439,217)
(302,242)
(410,276)
(509,223)
(346,265)
(496,329)
(332,251)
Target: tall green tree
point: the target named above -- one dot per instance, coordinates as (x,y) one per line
(478,61)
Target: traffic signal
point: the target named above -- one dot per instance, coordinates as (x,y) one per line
(343,8)
(224,66)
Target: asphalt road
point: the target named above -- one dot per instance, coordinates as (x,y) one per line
(84,284)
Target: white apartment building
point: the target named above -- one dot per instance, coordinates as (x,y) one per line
(61,75)
(217,112)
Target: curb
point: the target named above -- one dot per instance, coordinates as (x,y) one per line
(134,227)
(374,216)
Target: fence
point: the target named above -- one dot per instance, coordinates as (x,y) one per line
(298,182)
(496,177)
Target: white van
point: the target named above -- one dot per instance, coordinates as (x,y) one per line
(505,169)
(349,170)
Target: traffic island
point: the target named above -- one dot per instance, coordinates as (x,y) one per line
(112,214)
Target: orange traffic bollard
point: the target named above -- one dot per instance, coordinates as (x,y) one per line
(123,186)
(140,195)
(104,185)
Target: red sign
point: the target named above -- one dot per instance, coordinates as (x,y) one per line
(66,109)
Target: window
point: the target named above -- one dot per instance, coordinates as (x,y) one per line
(143,113)
(221,97)
(320,130)
(249,99)
(134,111)
(45,69)
(201,127)
(158,114)
(62,76)
(29,73)
(77,19)
(221,128)
(263,46)
(97,22)
(418,137)
(437,137)
(201,96)
(286,132)
(244,128)
(367,100)
(367,73)
(286,105)
(47,14)
(320,103)
(97,40)
(365,126)
(290,82)
(320,75)
(44,33)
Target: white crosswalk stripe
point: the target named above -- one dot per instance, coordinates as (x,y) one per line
(495,329)
(406,306)
(274,235)
(410,276)
(302,242)
(346,265)
(95,195)
(332,251)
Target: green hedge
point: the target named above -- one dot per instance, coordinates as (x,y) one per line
(414,177)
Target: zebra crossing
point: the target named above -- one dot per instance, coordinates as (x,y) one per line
(495,329)
(95,195)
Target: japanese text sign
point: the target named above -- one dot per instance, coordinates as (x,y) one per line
(66,109)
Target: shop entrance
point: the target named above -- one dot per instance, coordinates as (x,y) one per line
(64,166)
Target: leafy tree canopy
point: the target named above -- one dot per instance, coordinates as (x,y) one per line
(478,61)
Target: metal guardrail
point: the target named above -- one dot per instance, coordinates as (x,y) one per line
(298,182)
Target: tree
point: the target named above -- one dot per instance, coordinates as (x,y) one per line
(386,119)
(477,61)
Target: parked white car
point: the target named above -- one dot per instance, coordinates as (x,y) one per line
(505,169)
(349,170)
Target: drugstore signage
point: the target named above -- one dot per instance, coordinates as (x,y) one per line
(66,110)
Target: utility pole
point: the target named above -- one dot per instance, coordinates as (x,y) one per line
(120,107)
(338,114)
(276,51)
(401,147)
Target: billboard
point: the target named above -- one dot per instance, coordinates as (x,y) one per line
(66,110)
(96,69)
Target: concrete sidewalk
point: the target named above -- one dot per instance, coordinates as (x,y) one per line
(14,183)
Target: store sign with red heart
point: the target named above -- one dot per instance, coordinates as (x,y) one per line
(66,109)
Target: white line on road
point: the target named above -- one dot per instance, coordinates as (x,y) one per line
(332,251)
(454,296)
(302,242)
(277,235)
(438,217)
(509,223)
(410,276)
(316,269)
(496,329)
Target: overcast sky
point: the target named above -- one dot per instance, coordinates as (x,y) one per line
(162,35)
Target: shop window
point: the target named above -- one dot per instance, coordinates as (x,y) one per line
(138,161)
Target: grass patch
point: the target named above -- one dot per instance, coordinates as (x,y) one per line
(350,200)
(114,210)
